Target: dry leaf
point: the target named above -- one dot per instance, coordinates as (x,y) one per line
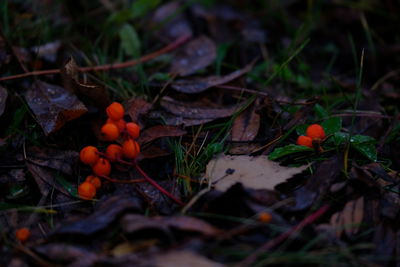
(53,105)
(195,55)
(136,108)
(198,85)
(253,172)
(158,131)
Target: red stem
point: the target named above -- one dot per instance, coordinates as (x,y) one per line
(120,65)
(157,186)
(122,181)
(272,243)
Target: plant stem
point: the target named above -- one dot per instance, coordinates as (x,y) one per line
(157,186)
(120,65)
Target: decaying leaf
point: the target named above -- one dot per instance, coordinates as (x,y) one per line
(96,93)
(53,105)
(171,119)
(198,85)
(3,99)
(158,131)
(195,110)
(195,55)
(253,172)
(349,219)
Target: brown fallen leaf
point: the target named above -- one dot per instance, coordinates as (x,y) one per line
(195,55)
(3,99)
(198,85)
(159,131)
(253,172)
(196,110)
(96,93)
(171,119)
(53,105)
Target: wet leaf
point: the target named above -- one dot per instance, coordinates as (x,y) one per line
(253,172)
(190,224)
(159,131)
(349,219)
(198,85)
(101,219)
(245,126)
(196,110)
(53,105)
(183,258)
(3,99)
(171,119)
(60,252)
(136,108)
(195,55)
(287,150)
(365,145)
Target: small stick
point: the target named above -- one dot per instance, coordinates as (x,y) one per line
(120,65)
(272,243)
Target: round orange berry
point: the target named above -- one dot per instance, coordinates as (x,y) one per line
(119,123)
(133,129)
(304,141)
(102,167)
(23,234)
(94,180)
(130,149)
(89,155)
(86,190)
(114,152)
(315,131)
(265,217)
(115,111)
(109,132)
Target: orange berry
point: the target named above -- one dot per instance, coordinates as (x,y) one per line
(304,141)
(315,131)
(110,132)
(22,234)
(94,180)
(133,129)
(265,217)
(115,111)
(102,167)
(114,152)
(86,190)
(89,155)
(119,123)
(130,149)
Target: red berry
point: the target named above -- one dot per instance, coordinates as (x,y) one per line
(130,149)
(109,132)
(304,141)
(133,129)
(114,152)
(86,190)
(94,180)
(23,234)
(265,217)
(121,124)
(315,131)
(102,167)
(89,155)
(115,111)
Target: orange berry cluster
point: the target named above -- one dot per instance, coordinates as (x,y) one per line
(114,128)
(313,132)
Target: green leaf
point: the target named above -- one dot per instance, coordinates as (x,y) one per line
(130,42)
(339,138)
(332,125)
(67,186)
(301,129)
(142,7)
(320,112)
(287,150)
(365,145)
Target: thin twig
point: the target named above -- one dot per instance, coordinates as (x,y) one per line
(120,65)
(157,186)
(118,181)
(272,243)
